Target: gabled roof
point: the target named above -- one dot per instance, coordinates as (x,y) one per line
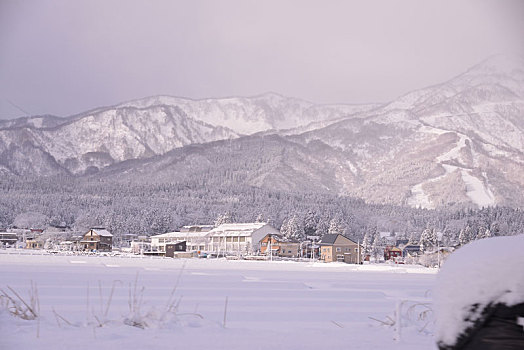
(247,226)
(102,232)
(280,238)
(239,229)
(393,249)
(329,239)
(184,235)
(196,228)
(332,238)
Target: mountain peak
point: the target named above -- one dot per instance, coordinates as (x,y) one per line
(499,65)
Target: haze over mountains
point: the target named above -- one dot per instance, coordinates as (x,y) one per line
(458,143)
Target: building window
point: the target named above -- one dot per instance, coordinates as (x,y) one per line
(229,239)
(242,239)
(339,249)
(235,239)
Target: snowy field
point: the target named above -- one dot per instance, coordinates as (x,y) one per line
(85,303)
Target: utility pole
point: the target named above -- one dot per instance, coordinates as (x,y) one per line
(270,250)
(358,251)
(438,252)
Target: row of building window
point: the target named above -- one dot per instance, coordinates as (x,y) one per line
(339,249)
(229,239)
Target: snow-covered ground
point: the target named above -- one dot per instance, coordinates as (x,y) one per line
(278,305)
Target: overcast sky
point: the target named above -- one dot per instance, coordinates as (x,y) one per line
(65,57)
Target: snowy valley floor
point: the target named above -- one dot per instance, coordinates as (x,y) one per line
(270,305)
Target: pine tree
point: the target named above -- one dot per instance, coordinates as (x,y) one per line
(428,240)
(366,244)
(335,227)
(310,223)
(483,233)
(375,246)
(322,226)
(465,235)
(260,218)
(223,219)
(293,230)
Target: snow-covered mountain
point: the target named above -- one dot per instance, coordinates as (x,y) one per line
(102,137)
(249,115)
(453,144)
(148,127)
(458,142)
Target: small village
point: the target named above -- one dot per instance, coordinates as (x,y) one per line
(248,241)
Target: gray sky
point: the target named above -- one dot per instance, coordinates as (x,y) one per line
(64,57)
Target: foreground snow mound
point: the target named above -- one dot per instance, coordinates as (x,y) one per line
(483,273)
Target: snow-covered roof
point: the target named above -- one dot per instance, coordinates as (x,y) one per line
(280,238)
(487,271)
(8,233)
(177,234)
(102,232)
(237,229)
(196,228)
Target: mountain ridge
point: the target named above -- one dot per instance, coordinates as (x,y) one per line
(458,143)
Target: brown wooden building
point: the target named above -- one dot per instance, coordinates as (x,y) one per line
(279,245)
(339,248)
(97,239)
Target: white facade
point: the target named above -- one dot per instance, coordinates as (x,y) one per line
(238,238)
(235,239)
(195,241)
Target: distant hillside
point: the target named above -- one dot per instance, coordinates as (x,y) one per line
(456,144)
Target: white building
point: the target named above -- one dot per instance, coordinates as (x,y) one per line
(238,238)
(8,238)
(195,237)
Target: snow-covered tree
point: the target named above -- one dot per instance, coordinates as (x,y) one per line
(376,249)
(310,223)
(260,218)
(322,226)
(466,235)
(292,229)
(428,240)
(483,233)
(223,219)
(366,244)
(371,239)
(335,226)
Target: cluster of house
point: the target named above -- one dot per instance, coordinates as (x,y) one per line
(248,239)
(230,239)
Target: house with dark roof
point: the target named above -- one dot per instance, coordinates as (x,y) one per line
(336,247)
(97,239)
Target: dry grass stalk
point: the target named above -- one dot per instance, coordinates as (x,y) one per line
(18,307)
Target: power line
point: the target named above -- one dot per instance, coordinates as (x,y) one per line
(17,107)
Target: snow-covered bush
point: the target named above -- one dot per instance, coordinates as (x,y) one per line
(477,276)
